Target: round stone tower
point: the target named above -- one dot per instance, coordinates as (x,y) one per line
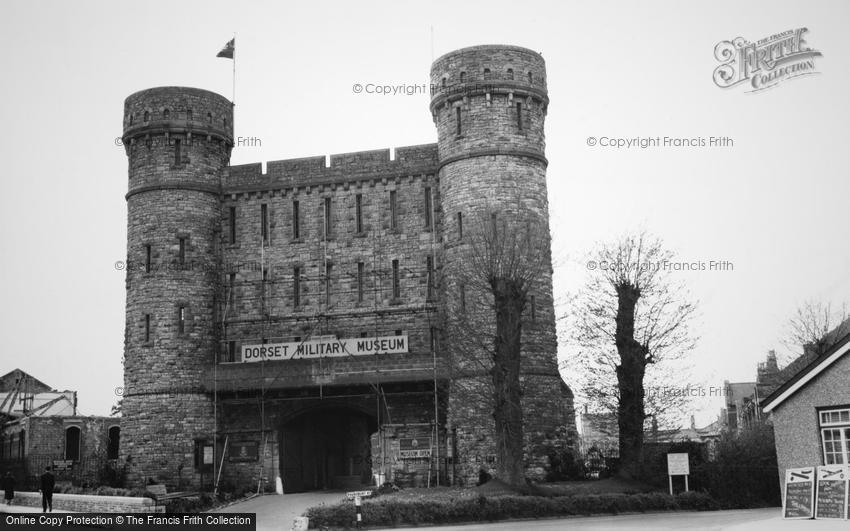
(489,105)
(178,141)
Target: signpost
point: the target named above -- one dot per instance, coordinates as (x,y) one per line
(678,465)
(833,484)
(799,500)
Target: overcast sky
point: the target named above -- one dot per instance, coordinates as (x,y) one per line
(774,204)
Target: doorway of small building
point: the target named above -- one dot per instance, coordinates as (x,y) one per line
(326,449)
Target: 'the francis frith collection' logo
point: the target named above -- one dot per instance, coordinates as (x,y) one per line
(765,63)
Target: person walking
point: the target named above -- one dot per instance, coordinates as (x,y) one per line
(9,487)
(47,484)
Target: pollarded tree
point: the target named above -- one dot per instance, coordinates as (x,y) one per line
(502,260)
(629,322)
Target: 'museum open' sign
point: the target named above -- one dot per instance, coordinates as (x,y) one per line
(324,348)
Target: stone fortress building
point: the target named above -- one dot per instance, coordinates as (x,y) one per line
(292,323)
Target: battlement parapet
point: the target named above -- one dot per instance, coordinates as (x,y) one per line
(337,168)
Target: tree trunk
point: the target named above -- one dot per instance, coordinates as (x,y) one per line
(507,411)
(630,374)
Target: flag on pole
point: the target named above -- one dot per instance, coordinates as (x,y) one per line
(228,50)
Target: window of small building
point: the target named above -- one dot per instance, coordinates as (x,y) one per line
(72,443)
(835,434)
(114,435)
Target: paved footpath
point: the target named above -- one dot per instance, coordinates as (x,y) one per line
(277,512)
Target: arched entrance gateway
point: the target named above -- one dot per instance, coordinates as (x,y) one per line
(326,448)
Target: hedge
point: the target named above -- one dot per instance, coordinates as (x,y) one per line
(394,512)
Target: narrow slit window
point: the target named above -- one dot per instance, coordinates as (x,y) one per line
(396,281)
(510,73)
(429,271)
(360,270)
(147,328)
(232,224)
(457,119)
(358,214)
(393,210)
(296,287)
(231,352)
(530,78)
(177,153)
(327,217)
(459,225)
(428,208)
(181,320)
(296,223)
(328,270)
(519,115)
(181,251)
(264,222)
(462,298)
(148,256)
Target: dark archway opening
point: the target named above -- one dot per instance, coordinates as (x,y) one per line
(326,449)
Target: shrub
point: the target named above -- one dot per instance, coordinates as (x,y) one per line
(395,512)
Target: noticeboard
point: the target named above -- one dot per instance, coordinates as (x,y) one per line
(832,491)
(799,499)
(677,465)
(62,465)
(242,452)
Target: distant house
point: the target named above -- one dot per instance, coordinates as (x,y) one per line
(40,427)
(811,411)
